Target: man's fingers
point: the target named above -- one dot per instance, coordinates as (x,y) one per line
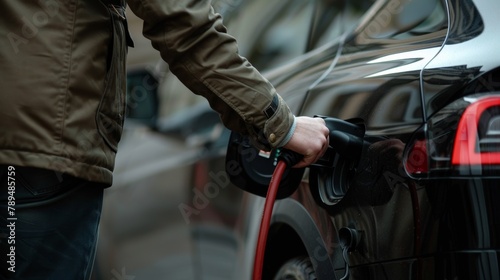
(310,140)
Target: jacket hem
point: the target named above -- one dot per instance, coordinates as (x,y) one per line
(56,163)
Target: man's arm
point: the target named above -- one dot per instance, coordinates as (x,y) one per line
(193,41)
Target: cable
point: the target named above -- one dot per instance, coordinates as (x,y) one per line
(266,219)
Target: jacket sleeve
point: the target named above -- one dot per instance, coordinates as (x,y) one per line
(192,39)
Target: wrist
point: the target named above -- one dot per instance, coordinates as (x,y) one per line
(289,134)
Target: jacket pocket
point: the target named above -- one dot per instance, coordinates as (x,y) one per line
(111,111)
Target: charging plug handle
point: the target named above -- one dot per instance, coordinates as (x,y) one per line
(290,157)
(346,140)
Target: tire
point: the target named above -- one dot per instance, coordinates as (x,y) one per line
(299,268)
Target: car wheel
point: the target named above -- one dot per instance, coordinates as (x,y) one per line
(299,268)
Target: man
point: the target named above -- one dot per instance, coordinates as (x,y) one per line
(62,108)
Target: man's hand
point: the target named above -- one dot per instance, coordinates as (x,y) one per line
(310,139)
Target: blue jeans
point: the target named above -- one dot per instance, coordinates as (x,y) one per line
(48,224)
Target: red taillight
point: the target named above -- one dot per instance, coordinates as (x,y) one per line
(459,141)
(467,148)
(416,161)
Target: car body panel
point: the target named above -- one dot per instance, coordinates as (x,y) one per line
(407,66)
(404,68)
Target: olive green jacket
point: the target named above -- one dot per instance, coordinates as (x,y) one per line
(62,79)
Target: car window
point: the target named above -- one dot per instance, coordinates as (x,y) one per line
(333,18)
(271,32)
(396,19)
(377,77)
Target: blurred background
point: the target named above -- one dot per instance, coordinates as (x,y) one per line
(171,212)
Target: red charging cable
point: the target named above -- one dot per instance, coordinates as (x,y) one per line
(266,219)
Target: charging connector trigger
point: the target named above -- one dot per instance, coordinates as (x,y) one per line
(290,157)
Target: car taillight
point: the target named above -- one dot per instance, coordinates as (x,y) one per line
(477,141)
(461,140)
(417,159)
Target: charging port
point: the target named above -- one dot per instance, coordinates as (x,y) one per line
(330,176)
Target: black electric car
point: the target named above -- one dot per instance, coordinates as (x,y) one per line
(415,194)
